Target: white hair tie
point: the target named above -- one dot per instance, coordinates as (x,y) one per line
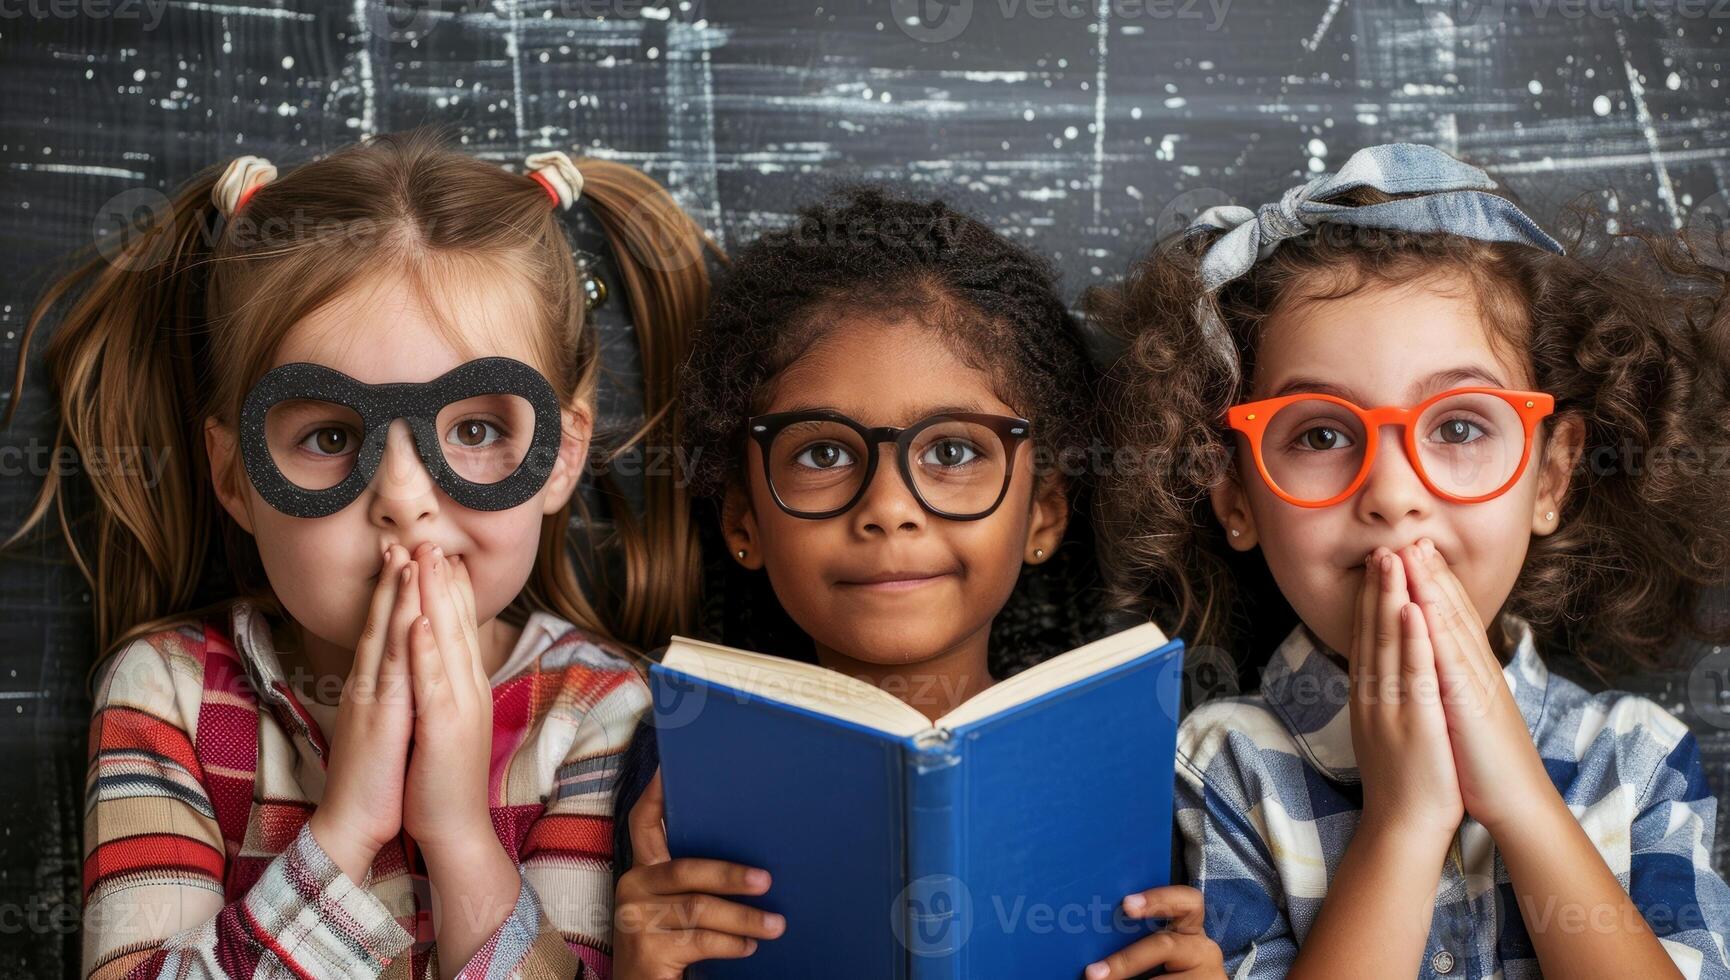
(556,172)
(244,176)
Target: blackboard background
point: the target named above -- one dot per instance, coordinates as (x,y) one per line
(1076,124)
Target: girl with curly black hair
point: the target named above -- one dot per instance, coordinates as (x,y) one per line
(1444,440)
(893,407)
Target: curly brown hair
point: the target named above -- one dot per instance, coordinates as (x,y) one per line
(869,249)
(1627,332)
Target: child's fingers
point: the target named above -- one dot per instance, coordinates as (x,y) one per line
(709,912)
(1391,599)
(1419,659)
(1463,619)
(449,643)
(399,651)
(704,944)
(1172,950)
(432,689)
(1360,668)
(393,668)
(1463,688)
(464,592)
(369,652)
(681,875)
(1455,632)
(463,596)
(648,834)
(1181,904)
(1448,582)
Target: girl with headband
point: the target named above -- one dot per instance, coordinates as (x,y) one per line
(387,748)
(1442,443)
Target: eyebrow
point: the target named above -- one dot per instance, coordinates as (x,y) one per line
(1439,381)
(906,420)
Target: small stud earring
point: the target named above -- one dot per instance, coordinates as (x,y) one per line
(1549,515)
(741,554)
(1236,533)
(1039,552)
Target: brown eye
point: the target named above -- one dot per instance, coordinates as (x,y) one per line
(823,456)
(328,442)
(950,452)
(476,434)
(1458,432)
(1321,438)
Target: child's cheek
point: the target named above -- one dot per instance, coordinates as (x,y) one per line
(501,556)
(319,569)
(1488,562)
(1302,550)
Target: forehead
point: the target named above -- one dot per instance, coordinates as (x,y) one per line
(885,371)
(398,327)
(1385,343)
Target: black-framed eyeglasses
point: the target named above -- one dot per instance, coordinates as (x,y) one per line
(818,464)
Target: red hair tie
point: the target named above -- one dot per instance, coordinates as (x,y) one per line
(555,172)
(244,176)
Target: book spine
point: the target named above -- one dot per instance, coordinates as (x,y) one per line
(938,909)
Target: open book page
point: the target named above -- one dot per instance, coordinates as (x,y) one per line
(835,694)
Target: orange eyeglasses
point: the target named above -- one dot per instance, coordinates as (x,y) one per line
(1467,445)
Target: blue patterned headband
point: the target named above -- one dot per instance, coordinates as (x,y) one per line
(1453,202)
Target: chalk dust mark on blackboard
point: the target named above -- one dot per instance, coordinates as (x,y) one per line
(1099,79)
(692,179)
(514,50)
(363,70)
(1315,38)
(243,11)
(1643,115)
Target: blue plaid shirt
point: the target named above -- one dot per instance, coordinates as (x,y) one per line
(1268,797)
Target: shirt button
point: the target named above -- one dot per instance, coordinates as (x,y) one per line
(1442,962)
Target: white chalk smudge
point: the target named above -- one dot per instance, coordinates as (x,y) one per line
(514,52)
(367,122)
(1099,86)
(78,168)
(239,10)
(1315,39)
(1637,95)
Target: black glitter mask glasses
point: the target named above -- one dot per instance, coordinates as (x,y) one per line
(312,437)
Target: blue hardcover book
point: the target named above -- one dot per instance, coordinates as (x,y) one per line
(994,842)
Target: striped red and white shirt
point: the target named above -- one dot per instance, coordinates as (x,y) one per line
(205,764)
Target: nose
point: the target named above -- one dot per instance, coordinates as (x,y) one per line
(402,493)
(1392,491)
(888,503)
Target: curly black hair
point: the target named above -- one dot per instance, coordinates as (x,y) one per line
(1627,331)
(867,249)
(871,251)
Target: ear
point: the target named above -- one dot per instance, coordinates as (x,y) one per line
(1562,450)
(575,437)
(739,527)
(1231,508)
(1046,520)
(219,445)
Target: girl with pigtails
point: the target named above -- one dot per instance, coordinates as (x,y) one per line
(388,748)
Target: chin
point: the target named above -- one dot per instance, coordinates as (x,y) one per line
(890,648)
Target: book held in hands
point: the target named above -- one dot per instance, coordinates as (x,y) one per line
(995,841)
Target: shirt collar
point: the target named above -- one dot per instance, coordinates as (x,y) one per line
(250,628)
(1309,689)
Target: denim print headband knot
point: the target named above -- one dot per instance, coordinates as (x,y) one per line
(1453,201)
